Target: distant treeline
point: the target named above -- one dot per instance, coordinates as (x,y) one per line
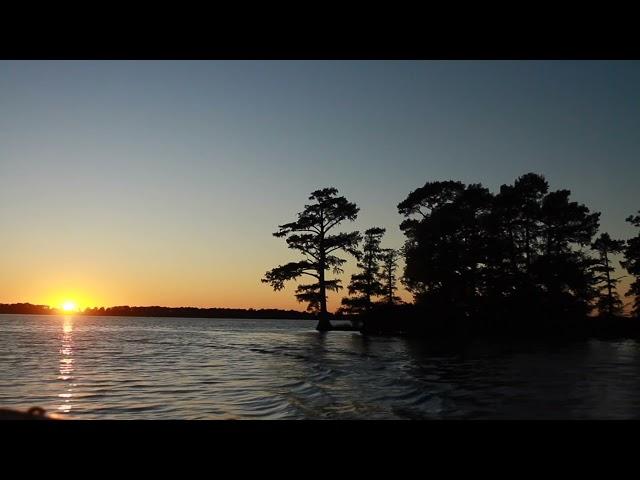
(194,312)
(156,311)
(27,309)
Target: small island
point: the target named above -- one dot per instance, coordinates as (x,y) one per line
(525,262)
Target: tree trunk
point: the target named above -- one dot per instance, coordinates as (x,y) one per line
(323,319)
(609,292)
(323,323)
(527,248)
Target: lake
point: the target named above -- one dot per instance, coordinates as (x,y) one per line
(185,368)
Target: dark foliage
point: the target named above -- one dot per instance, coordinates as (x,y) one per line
(631,263)
(365,285)
(310,236)
(475,261)
(388,276)
(607,300)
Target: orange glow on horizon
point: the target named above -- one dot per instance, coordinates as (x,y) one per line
(259,298)
(69,293)
(68,302)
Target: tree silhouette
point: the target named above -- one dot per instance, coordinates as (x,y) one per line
(631,263)
(387,275)
(309,235)
(366,284)
(473,257)
(608,300)
(563,274)
(520,206)
(445,245)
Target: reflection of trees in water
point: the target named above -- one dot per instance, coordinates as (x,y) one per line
(529,379)
(360,344)
(313,345)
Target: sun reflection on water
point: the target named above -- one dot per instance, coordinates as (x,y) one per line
(66,365)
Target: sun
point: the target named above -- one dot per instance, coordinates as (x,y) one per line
(69,306)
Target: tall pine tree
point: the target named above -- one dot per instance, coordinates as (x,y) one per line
(607,301)
(365,285)
(388,276)
(310,235)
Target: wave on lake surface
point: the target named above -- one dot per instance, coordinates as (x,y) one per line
(174,368)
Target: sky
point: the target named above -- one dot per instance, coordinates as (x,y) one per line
(161,182)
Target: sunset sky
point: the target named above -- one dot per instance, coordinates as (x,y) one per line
(160,183)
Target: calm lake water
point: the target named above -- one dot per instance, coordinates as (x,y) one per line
(171,368)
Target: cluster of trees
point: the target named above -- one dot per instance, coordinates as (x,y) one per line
(523,256)
(472,258)
(375,283)
(314,236)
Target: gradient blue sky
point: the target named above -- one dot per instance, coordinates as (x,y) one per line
(144,182)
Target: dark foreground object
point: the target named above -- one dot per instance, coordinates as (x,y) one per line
(34,413)
(408,320)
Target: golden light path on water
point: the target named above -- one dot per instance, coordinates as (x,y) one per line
(66,365)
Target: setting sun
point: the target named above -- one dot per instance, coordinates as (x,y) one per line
(69,306)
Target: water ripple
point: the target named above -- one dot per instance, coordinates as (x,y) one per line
(130,368)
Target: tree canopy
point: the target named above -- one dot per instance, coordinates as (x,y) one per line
(473,254)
